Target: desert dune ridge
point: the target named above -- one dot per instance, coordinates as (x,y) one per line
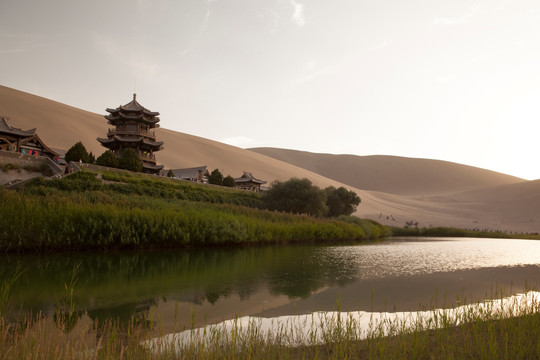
(393,189)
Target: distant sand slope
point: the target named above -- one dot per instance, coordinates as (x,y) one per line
(393,190)
(392,174)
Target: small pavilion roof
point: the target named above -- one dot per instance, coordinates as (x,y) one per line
(248,177)
(189,173)
(8,129)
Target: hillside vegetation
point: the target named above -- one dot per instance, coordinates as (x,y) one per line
(112,210)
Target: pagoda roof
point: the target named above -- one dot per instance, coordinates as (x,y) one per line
(8,129)
(133,106)
(130,116)
(248,177)
(152,167)
(130,140)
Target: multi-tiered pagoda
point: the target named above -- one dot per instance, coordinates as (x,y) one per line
(134,128)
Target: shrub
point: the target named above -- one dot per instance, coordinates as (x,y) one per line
(216,177)
(297,196)
(341,201)
(107,159)
(77,153)
(229,181)
(129,160)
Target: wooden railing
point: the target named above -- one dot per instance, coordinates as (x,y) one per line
(121,130)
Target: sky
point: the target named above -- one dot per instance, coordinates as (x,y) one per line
(451,80)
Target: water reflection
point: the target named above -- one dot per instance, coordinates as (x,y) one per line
(211,285)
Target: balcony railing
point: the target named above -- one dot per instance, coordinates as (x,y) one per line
(147,157)
(126,130)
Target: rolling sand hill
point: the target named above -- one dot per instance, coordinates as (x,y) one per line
(393,174)
(393,189)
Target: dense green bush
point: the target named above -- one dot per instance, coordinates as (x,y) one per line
(298,196)
(216,177)
(107,159)
(77,153)
(228,181)
(340,201)
(129,160)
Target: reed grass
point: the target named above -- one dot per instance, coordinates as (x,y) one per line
(456,232)
(80,212)
(496,330)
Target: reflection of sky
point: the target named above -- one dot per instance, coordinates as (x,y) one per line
(399,258)
(314,328)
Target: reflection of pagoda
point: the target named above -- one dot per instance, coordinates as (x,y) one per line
(134,126)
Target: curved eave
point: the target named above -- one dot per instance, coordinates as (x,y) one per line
(113,119)
(244,180)
(155,168)
(157,144)
(37,139)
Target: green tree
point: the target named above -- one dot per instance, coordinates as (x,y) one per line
(296,196)
(170,174)
(216,177)
(91,158)
(341,201)
(129,160)
(107,159)
(229,181)
(77,153)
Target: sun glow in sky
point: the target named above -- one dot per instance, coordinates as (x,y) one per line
(451,80)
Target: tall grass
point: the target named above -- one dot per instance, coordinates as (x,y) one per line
(30,221)
(456,232)
(494,330)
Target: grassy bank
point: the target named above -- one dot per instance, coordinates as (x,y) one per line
(455,232)
(125,211)
(492,332)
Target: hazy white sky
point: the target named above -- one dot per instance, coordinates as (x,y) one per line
(453,80)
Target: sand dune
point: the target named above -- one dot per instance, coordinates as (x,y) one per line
(393,189)
(61,126)
(393,174)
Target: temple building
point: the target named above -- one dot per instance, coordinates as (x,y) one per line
(23,141)
(249,182)
(134,128)
(196,174)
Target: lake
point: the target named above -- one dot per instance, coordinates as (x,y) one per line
(179,288)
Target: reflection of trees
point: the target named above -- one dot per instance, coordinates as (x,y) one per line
(119,285)
(302,270)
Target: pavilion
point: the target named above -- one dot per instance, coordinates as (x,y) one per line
(26,142)
(134,128)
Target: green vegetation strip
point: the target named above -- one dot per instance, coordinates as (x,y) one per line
(123,211)
(455,232)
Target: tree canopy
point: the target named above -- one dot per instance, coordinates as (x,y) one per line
(107,159)
(229,181)
(341,201)
(296,196)
(129,160)
(77,153)
(216,177)
(302,197)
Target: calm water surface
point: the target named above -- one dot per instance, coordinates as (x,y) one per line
(184,288)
